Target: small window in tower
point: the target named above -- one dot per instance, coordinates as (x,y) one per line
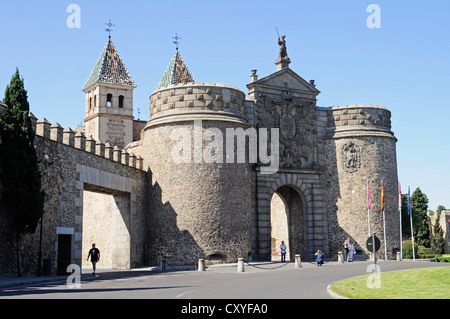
(109,100)
(95,100)
(90,103)
(121,97)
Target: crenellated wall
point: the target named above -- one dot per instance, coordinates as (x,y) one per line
(79,141)
(73,168)
(359,119)
(197,100)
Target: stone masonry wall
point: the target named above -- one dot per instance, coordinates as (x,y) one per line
(360,151)
(199,209)
(69,164)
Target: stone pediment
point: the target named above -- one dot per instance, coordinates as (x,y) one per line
(282,80)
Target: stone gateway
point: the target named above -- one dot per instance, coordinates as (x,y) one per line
(119,182)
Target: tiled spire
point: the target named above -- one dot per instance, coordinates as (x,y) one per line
(176,72)
(110,69)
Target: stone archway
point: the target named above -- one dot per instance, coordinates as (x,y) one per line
(287,222)
(279,229)
(107,206)
(106,222)
(309,232)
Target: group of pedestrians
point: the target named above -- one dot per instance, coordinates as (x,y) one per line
(349,249)
(348,246)
(349,252)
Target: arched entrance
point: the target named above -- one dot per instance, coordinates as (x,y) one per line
(287,222)
(106,221)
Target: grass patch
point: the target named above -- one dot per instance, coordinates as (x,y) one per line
(419,283)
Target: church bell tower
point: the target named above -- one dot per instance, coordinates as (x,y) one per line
(109,100)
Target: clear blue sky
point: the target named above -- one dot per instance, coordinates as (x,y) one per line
(404,65)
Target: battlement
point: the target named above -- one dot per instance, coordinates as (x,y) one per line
(359,119)
(78,140)
(183,100)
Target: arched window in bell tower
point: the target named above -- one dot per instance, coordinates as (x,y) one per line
(121,97)
(109,100)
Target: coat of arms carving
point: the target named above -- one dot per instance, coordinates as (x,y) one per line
(351,157)
(295,119)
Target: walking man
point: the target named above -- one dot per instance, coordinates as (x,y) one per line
(94,253)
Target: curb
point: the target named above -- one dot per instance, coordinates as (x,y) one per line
(333,294)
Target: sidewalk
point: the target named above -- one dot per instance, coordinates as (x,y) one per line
(6,282)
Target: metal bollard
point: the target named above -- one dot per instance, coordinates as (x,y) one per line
(399,256)
(298,261)
(201,265)
(163,265)
(340,257)
(240,267)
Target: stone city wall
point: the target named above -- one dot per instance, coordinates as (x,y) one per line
(70,165)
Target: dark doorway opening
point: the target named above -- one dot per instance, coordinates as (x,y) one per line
(64,253)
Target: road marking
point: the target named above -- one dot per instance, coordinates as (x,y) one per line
(184,293)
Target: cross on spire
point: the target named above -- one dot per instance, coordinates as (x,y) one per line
(108,29)
(176,42)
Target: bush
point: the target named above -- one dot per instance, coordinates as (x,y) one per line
(443,259)
(407,249)
(420,251)
(424,252)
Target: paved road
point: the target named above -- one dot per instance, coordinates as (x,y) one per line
(308,282)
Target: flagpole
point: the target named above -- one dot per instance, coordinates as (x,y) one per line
(412,239)
(368,206)
(412,231)
(384,220)
(385,246)
(368,211)
(400,214)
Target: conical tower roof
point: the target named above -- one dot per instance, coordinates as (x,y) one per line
(110,69)
(176,72)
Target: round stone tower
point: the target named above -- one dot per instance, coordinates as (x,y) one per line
(361,156)
(199,199)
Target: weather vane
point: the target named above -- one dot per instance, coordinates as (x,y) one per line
(176,42)
(109,24)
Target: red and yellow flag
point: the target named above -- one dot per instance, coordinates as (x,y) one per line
(382,196)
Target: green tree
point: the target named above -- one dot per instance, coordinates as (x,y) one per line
(22,200)
(419,208)
(438,241)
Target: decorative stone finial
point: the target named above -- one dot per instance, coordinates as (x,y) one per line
(254,77)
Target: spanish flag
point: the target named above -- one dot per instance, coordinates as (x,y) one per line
(382,196)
